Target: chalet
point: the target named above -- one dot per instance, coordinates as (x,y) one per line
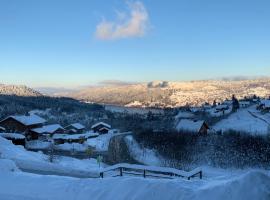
(45,131)
(101,128)
(75,128)
(199,127)
(22,124)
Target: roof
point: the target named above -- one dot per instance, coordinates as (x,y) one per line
(15,136)
(183,114)
(2,128)
(101,123)
(222,106)
(244,102)
(266,103)
(77,126)
(27,120)
(48,128)
(190,125)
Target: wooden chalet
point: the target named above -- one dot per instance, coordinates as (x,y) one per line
(22,124)
(75,128)
(101,128)
(193,126)
(47,131)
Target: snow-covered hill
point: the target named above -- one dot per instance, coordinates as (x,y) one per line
(247,120)
(18,90)
(173,94)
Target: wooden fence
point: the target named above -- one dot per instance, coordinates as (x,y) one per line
(150,171)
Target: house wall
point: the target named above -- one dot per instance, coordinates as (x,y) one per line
(96,129)
(12,125)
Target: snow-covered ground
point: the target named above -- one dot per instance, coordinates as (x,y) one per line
(216,184)
(142,155)
(100,143)
(225,184)
(39,162)
(133,110)
(246,119)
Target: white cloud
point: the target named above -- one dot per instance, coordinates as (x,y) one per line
(135,23)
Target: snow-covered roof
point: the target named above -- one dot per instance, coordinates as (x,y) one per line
(266,103)
(190,125)
(2,128)
(183,114)
(101,123)
(27,120)
(48,128)
(12,135)
(244,102)
(221,106)
(74,136)
(77,126)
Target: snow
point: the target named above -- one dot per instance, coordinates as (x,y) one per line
(100,143)
(2,128)
(218,113)
(244,120)
(101,123)
(75,136)
(28,120)
(142,155)
(183,114)
(34,161)
(37,144)
(225,185)
(42,145)
(48,129)
(266,103)
(8,166)
(12,135)
(133,110)
(189,125)
(72,147)
(77,126)
(154,169)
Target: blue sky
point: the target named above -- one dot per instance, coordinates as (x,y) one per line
(71,43)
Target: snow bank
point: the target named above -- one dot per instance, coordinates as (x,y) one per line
(38,162)
(100,143)
(249,186)
(142,155)
(8,166)
(72,147)
(37,144)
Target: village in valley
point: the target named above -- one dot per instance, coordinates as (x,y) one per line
(249,115)
(134,100)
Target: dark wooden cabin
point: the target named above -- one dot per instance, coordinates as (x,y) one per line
(101,128)
(22,124)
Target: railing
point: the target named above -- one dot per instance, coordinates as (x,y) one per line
(151,171)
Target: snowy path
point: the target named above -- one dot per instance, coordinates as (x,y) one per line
(57,173)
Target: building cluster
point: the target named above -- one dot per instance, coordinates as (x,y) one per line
(19,128)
